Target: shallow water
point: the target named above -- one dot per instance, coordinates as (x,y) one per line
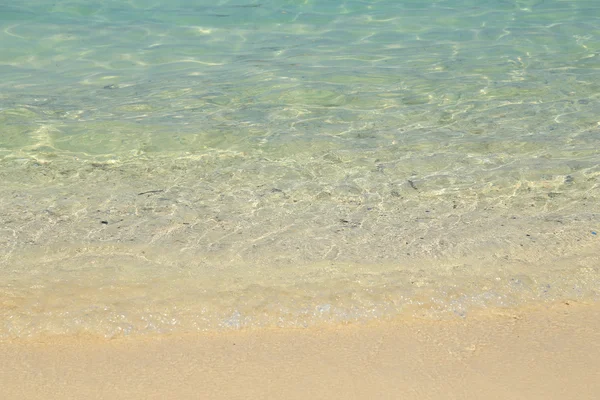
(196,165)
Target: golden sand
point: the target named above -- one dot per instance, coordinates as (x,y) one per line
(551,352)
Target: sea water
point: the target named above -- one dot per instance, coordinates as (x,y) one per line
(193,165)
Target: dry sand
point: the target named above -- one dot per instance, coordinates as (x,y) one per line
(551,352)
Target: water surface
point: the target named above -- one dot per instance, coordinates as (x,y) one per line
(200,165)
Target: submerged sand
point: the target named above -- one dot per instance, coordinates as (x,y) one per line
(549,352)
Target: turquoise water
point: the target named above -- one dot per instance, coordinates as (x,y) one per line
(194,165)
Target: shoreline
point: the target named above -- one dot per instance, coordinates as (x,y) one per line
(550,352)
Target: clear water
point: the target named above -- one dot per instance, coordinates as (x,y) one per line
(182,165)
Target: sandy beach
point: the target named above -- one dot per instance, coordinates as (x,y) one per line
(250,199)
(547,352)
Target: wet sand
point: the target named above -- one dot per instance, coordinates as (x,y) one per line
(550,352)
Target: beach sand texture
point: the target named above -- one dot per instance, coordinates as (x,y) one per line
(543,353)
